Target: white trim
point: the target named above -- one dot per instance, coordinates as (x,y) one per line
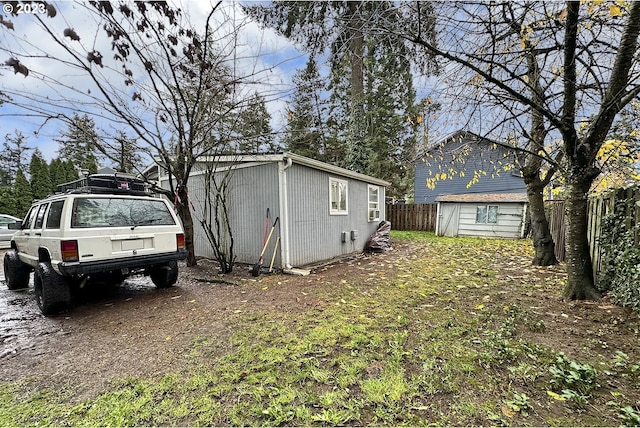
(338,211)
(283,206)
(377,208)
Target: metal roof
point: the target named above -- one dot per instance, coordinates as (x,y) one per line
(484,197)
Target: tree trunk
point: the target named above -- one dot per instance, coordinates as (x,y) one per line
(187,223)
(580,281)
(542,239)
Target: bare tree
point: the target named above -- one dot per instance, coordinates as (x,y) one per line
(169,85)
(587,65)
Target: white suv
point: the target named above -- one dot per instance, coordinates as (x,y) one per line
(100,229)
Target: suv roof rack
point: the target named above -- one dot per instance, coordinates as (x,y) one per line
(118,183)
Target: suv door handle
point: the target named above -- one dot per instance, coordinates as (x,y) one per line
(38,233)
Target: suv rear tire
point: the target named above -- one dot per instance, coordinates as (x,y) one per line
(53,293)
(16,273)
(165,276)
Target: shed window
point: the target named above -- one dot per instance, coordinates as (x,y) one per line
(338,197)
(374,203)
(487,214)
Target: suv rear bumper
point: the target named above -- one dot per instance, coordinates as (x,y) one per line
(138,262)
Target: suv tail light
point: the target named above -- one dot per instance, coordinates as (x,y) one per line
(180,241)
(69,251)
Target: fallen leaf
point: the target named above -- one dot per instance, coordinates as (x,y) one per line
(555,396)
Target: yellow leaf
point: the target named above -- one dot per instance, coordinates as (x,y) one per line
(480,307)
(556,396)
(507,411)
(614,10)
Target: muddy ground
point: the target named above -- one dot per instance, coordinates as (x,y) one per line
(137,330)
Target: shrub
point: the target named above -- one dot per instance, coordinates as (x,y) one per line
(620,273)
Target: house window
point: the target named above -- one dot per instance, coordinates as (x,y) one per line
(374,203)
(487,214)
(338,200)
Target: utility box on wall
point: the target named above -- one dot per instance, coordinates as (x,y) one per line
(354,235)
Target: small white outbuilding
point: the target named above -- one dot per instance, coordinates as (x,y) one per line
(483,215)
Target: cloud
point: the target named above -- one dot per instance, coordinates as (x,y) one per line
(261,59)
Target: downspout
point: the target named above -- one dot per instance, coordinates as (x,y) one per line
(283,200)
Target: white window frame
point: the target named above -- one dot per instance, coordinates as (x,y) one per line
(373,211)
(486,213)
(342,187)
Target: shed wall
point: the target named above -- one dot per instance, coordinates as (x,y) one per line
(315,235)
(251,192)
(509,225)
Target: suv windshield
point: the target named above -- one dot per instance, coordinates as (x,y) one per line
(119,212)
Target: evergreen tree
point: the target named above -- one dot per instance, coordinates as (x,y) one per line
(22,194)
(253,130)
(12,157)
(8,202)
(39,174)
(79,143)
(304,134)
(349,30)
(125,154)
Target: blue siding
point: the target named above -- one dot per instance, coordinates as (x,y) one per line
(459,158)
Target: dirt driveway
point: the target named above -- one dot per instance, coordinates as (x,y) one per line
(135,329)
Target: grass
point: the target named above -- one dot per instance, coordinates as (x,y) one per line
(440,336)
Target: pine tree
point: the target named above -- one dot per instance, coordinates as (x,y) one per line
(304,133)
(253,130)
(39,174)
(22,194)
(13,157)
(79,143)
(124,154)
(8,203)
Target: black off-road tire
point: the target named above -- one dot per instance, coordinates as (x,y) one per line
(16,273)
(52,291)
(165,276)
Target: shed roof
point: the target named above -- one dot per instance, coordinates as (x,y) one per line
(302,160)
(484,197)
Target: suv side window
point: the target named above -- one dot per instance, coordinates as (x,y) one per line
(55,214)
(29,217)
(40,216)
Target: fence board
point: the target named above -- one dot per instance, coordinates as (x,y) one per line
(599,207)
(412,216)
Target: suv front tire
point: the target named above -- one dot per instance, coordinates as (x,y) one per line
(16,273)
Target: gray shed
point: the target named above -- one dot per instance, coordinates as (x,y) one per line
(325,211)
(485,215)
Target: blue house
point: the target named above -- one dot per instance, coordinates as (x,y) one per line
(464,163)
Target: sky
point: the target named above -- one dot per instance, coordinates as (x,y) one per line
(261,52)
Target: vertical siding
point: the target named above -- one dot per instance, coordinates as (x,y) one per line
(314,234)
(509,225)
(252,191)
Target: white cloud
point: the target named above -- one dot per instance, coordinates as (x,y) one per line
(266,60)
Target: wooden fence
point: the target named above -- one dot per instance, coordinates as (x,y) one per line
(599,207)
(558,227)
(412,216)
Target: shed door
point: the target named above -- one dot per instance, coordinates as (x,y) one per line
(448,221)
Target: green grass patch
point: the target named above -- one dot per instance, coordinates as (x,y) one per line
(437,341)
